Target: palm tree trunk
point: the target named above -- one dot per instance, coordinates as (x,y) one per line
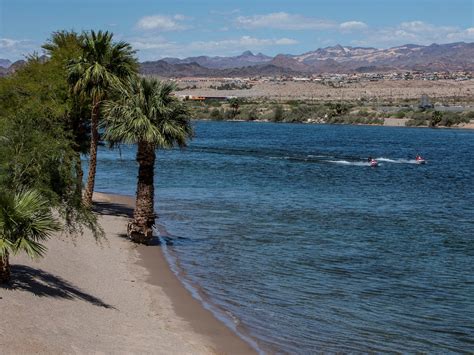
(4,268)
(89,191)
(140,230)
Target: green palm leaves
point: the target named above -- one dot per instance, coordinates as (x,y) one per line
(103,65)
(145,110)
(25,222)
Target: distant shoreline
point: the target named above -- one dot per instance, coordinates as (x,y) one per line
(388,122)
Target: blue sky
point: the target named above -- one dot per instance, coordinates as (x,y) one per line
(186,28)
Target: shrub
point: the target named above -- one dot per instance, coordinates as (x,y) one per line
(216,114)
(252,114)
(470,115)
(400,114)
(436,118)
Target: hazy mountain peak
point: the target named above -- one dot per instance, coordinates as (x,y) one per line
(247,54)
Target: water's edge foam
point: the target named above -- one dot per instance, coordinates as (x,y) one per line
(217,312)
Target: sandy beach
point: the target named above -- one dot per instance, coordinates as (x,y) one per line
(115,297)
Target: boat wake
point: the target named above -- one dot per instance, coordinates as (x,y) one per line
(398,161)
(346,162)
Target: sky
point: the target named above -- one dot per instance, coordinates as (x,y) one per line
(182,28)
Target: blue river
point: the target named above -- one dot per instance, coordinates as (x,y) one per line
(292,236)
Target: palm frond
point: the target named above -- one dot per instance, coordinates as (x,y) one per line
(102,66)
(145,110)
(25,221)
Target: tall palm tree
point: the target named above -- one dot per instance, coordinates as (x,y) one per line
(25,222)
(147,114)
(102,65)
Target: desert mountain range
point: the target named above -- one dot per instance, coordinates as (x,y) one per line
(334,59)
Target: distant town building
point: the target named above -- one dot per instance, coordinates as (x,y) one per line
(425,102)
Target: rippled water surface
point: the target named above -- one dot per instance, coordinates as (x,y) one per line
(289,230)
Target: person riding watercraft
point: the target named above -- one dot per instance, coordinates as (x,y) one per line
(420,160)
(372,162)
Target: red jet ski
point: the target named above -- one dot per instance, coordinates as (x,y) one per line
(420,160)
(373,163)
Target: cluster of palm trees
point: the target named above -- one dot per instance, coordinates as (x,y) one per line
(136,110)
(130,109)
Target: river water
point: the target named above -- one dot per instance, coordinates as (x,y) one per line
(288,231)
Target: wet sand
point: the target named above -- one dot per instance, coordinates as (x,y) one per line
(115,297)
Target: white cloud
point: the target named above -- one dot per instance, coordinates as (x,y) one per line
(162,23)
(351,26)
(9,43)
(285,21)
(416,32)
(15,49)
(285,41)
(152,43)
(462,35)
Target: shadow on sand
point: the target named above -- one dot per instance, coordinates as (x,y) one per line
(113,209)
(44,284)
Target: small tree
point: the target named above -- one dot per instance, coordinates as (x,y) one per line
(234,104)
(436,118)
(216,114)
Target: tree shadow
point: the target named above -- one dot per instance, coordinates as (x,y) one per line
(43,284)
(113,209)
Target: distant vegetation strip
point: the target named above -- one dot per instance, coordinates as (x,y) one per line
(296,111)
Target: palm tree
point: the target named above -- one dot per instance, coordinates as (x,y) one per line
(25,221)
(102,65)
(146,113)
(63,46)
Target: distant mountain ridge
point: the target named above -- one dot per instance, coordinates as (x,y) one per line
(5,63)
(11,68)
(247,58)
(333,59)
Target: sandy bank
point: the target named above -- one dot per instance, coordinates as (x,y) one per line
(86,298)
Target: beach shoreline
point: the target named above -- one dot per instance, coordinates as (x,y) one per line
(108,297)
(186,306)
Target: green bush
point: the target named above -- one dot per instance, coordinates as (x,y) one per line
(400,114)
(216,114)
(452,119)
(469,115)
(363,112)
